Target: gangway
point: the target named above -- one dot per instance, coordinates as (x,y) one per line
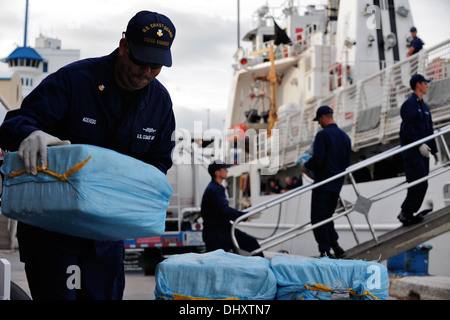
(382,247)
(402,239)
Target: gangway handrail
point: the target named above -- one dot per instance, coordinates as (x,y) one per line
(249,212)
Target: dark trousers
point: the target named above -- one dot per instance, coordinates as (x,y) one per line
(323,205)
(215,241)
(62,267)
(415,168)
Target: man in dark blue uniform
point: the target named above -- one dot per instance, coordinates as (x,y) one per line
(331,156)
(416,43)
(113,102)
(416,125)
(217,214)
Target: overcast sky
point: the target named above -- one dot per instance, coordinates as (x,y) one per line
(205,43)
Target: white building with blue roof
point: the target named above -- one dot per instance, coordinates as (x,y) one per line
(34,64)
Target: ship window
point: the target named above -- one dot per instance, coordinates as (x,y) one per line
(268,37)
(282,182)
(45,67)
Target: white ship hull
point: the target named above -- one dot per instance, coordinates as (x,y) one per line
(363,74)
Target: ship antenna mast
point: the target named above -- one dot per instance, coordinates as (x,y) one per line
(26,25)
(238,24)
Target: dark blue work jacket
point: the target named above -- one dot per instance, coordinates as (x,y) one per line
(417,44)
(81,103)
(416,125)
(331,156)
(217,214)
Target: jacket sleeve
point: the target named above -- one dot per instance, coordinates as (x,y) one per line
(319,153)
(222,206)
(414,127)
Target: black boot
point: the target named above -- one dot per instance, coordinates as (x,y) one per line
(327,253)
(338,251)
(408,218)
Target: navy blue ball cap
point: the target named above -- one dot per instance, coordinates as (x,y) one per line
(417,78)
(151,35)
(413,29)
(217,165)
(321,111)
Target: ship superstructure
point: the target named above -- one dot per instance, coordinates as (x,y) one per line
(352,56)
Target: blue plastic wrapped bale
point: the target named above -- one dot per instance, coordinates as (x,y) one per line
(325,279)
(88,192)
(215,275)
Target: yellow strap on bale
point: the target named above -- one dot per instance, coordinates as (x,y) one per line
(62,177)
(364,294)
(319,287)
(182,297)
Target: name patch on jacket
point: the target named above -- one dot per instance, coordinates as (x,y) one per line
(146,136)
(89,120)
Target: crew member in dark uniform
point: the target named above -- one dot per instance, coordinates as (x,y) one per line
(331,156)
(108,102)
(416,125)
(416,43)
(217,214)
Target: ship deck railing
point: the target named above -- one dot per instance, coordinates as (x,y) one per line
(369,110)
(362,205)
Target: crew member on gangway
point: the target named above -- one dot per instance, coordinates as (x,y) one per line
(217,214)
(416,125)
(331,156)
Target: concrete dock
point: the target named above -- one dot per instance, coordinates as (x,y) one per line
(141,287)
(420,288)
(137,285)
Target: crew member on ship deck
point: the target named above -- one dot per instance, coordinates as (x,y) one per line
(416,43)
